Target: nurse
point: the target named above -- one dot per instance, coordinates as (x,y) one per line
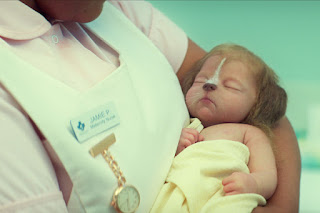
(57,74)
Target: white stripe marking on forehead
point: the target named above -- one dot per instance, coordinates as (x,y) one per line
(215,78)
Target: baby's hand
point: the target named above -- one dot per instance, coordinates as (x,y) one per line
(239,182)
(188,137)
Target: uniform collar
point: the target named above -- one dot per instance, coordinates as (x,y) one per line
(20,22)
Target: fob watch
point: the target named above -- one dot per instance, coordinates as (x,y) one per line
(126,198)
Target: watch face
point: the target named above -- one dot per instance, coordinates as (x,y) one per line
(128,199)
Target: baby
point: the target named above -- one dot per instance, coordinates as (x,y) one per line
(237,98)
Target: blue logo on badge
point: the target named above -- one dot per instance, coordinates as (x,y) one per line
(80,126)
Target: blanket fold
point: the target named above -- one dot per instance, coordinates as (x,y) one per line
(194,180)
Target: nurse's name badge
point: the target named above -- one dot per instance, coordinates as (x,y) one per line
(95,121)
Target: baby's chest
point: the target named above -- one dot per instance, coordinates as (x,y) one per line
(234,132)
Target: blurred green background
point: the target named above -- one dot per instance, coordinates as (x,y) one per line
(286,35)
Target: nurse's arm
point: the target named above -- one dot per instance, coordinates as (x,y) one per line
(194,53)
(28,182)
(286,197)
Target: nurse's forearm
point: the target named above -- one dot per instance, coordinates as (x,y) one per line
(194,53)
(286,196)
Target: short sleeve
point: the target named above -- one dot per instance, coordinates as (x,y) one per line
(166,35)
(27,179)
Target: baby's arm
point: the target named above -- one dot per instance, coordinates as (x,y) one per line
(263,174)
(188,137)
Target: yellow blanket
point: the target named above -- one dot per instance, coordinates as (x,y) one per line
(194,180)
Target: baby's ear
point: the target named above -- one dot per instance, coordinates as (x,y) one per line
(270,106)
(274,105)
(280,105)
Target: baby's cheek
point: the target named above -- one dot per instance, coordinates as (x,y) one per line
(192,95)
(188,99)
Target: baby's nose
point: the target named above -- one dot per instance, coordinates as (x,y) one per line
(209,87)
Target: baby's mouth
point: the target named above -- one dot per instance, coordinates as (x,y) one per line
(207,100)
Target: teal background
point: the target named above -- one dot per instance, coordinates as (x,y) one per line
(286,35)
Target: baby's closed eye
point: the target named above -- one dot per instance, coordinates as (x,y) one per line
(231,84)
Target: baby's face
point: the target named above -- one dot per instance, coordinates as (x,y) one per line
(232,98)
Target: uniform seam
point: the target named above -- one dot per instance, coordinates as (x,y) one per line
(48,197)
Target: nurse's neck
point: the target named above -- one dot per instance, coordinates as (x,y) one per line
(32,4)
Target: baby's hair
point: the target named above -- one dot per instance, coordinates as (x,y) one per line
(271,102)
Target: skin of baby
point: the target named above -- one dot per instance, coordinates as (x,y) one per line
(232,99)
